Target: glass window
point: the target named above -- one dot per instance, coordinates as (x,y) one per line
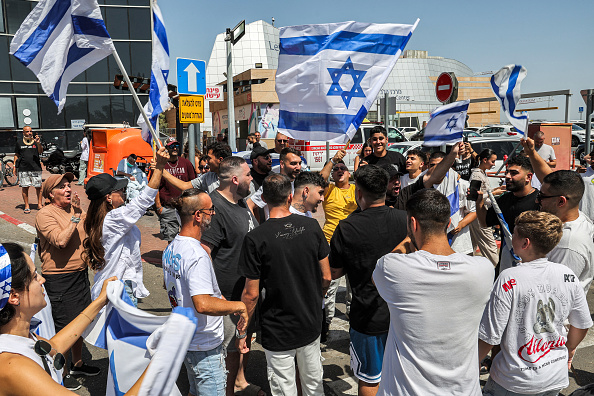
(27,112)
(139,2)
(141,59)
(76,108)
(357,138)
(19,72)
(124,53)
(50,119)
(25,88)
(4,59)
(6,88)
(116,21)
(2,26)
(6,115)
(122,109)
(140,23)
(99,110)
(16,12)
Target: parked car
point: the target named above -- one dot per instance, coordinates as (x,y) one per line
(503,147)
(420,136)
(578,134)
(408,131)
(499,131)
(579,152)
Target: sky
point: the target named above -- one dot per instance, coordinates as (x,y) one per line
(553,39)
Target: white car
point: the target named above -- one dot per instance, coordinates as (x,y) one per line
(501,130)
(408,131)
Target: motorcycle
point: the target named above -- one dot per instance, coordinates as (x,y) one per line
(58,162)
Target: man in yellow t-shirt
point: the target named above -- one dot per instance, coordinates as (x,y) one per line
(339,202)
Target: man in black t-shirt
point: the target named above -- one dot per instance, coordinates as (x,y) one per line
(465,161)
(520,197)
(26,159)
(288,256)
(381,155)
(222,240)
(261,167)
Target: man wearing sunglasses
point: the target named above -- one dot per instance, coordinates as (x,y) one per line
(560,194)
(178,168)
(280,142)
(520,197)
(261,166)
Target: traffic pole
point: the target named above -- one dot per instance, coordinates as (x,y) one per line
(589,105)
(230,93)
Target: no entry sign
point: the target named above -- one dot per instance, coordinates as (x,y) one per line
(446,87)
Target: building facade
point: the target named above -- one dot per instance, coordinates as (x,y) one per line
(92,97)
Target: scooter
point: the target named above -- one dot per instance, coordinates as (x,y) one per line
(58,162)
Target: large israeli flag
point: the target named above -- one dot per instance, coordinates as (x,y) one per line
(450,187)
(60,39)
(329,75)
(506,86)
(159,93)
(132,336)
(446,124)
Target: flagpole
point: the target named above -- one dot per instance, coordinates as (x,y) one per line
(135,96)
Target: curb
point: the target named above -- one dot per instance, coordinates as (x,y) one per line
(27,227)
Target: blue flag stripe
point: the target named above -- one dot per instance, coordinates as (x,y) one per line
(334,123)
(509,94)
(457,109)
(160,32)
(385,44)
(449,137)
(37,40)
(74,54)
(89,26)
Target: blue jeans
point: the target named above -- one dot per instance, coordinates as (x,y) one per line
(207,373)
(492,388)
(130,291)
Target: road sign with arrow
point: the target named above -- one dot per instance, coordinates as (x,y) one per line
(191,77)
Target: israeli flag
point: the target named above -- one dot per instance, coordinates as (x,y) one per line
(60,39)
(159,93)
(5,277)
(329,75)
(508,257)
(506,86)
(42,323)
(450,187)
(446,124)
(132,336)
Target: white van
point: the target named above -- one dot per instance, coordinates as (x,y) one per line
(315,151)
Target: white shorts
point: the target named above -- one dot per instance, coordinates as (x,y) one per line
(30,179)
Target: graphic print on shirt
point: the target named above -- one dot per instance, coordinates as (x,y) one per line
(290,231)
(540,334)
(171,265)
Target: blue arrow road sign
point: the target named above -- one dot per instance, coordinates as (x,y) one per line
(191,77)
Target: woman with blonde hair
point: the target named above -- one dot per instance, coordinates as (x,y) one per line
(112,247)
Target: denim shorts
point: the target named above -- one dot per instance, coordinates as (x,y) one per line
(207,372)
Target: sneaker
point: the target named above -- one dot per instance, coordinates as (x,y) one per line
(85,369)
(71,383)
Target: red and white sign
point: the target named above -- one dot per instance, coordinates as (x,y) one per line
(214,93)
(444,87)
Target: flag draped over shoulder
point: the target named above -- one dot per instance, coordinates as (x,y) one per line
(506,86)
(127,333)
(159,92)
(329,75)
(446,124)
(60,39)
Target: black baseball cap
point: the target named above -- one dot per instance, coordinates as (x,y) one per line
(258,151)
(392,171)
(99,186)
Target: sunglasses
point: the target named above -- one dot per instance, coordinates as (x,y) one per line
(173,147)
(541,196)
(339,168)
(209,211)
(42,348)
(203,167)
(283,140)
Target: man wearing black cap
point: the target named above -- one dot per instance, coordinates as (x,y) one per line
(182,169)
(261,167)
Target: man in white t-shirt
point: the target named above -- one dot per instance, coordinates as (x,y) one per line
(191,282)
(460,234)
(308,193)
(546,152)
(587,202)
(436,298)
(415,162)
(560,194)
(84,159)
(526,314)
(137,180)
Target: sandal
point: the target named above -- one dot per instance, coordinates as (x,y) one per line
(27,211)
(486,366)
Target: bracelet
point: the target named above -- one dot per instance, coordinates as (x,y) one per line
(82,313)
(332,160)
(75,219)
(240,336)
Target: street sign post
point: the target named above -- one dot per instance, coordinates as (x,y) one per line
(588,95)
(191,109)
(191,76)
(446,88)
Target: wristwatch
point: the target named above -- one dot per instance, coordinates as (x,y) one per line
(75,219)
(240,336)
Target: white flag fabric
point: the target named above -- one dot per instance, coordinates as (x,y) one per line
(506,86)
(329,75)
(60,39)
(446,124)
(450,187)
(42,323)
(124,331)
(159,93)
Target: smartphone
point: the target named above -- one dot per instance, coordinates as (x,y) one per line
(465,139)
(475,186)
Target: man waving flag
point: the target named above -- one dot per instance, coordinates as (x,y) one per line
(329,75)
(60,39)
(506,86)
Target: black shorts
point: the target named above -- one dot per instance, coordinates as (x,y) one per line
(69,294)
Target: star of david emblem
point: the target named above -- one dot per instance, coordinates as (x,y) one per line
(336,89)
(5,287)
(451,123)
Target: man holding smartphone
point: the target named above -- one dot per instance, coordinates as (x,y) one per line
(26,159)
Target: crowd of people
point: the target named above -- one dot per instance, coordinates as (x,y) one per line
(245,253)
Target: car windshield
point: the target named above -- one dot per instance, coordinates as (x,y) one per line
(400,148)
(394,135)
(576,127)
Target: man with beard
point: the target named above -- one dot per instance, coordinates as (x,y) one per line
(381,155)
(546,152)
(222,240)
(261,167)
(290,166)
(520,197)
(309,193)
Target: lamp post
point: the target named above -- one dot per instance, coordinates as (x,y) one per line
(232,36)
